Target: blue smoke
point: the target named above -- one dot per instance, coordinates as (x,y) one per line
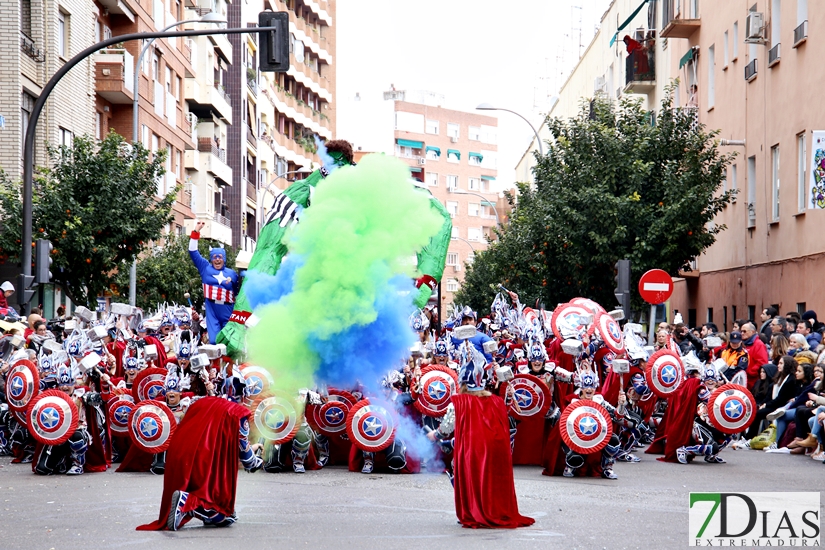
(262,289)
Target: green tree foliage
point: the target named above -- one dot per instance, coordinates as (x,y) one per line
(165,274)
(98,206)
(611,186)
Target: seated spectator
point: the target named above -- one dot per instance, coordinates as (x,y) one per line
(784,415)
(779,348)
(797,343)
(785,389)
(805,328)
(762,390)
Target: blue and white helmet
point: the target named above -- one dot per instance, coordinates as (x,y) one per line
(441,348)
(131,363)
(419,321)
(65,377)
(45,364)
(182,317)
(536,352)
(709,372)
(184,350)
(638,383)
(172,382)
(73,347)
(588,379)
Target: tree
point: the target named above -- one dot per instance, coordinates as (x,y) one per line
(166,273)
(98,206)
(612,185)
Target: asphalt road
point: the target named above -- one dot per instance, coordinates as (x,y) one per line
(332,508)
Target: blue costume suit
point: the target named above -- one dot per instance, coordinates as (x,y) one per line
(217,311)
(477,341)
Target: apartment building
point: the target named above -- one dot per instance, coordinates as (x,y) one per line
(754,65)
(278,115)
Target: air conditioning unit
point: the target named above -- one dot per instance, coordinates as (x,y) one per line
(456,268)
(453,140)
(422,160)
(755,25)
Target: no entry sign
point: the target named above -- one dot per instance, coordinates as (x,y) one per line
(655,286)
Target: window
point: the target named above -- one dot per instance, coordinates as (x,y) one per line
(405,152)
(473,233)
(452,182)
(453,157)
(156,67)
(179,89)
(473,184)
(711,77)
(453,130)
(470,258)
(432,154)
(98,125)
(776,22)
(145,135)
(452,258)
(472,209)
(801,11)
(474,134)
(454,233)
(733,183)
(178,165)
(432,127)
(474,161)
(710,315)
(490,159)
(725,53)
(801,171)
(26,17)
(452,285)
(452,208)
(62,34)
(432,179)
(168,74)
(489,134)
(752,191)
(775,182)
(66,137)
(735,40)
(409,122)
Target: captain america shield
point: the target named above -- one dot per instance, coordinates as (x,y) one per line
(594,307)
(570,317)
(611,333)
(531,395)
(731,408)
(149,384)
(664,373)
(22,385)
(275,418)
(437,384)
(330,417)
(258,379)
(151,426)
(585,426)
(52,417)
(370,427)
(119,410)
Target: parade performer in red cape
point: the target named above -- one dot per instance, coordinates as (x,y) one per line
(485,495)
(202,465)
(674,431)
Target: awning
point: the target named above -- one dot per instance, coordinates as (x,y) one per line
(627,22)
(488,178)
(479,156)
(487,203)
(686,58)
(415,169)
(436,149)
(410,143)
(454,152)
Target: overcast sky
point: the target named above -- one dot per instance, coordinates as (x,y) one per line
(510,54)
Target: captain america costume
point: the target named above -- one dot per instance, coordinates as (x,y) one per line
(219,287)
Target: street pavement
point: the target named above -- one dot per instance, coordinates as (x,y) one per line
(647,507)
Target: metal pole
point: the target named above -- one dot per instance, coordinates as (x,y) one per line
(651,322)
(136,133)
(31,129)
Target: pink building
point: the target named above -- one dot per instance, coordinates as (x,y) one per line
(756,69)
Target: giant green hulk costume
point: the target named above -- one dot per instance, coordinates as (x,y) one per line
(271,250)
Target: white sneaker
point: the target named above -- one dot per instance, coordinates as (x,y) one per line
(742,444)
(775,414)
(782,451)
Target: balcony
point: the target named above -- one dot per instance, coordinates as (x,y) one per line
(251,192)
(214,228)
(114,75)
(250,138)
(27,47)
(640,69)
(680,18)
(773,56)
(222,46)
(750,70)
(210,158)
(800,34)
(206,97)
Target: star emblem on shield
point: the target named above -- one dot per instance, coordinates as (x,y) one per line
(588,426)
(733,409)
(523,398)
(668,375)
(372,426)
(148,427)
(17,386)
(437,390)
(334,415)
(49,418)
(274,419)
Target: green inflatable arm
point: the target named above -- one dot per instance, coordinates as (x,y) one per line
(431,258)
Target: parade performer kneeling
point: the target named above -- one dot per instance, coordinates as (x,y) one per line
(202,465)
(219,284)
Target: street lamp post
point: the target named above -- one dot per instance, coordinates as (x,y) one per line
(482,197)
(488,107)
(208,18)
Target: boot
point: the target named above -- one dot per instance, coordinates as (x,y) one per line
(158,464)
(368,463)
(298,462)
(681,455)
(809,442)
(176,513)
(322,444)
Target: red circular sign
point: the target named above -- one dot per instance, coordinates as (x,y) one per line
(655,286)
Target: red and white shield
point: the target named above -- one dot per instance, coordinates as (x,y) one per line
(52,417)
(22,385)
(664,373)
(258,379)
(594,307)
(275,418)
(438,385)
(567,318)
(149,384)
(611,333)
(151,426)
(119,410)
(370,427)
(731,408)
(531,395)
(330,418)
(585,426)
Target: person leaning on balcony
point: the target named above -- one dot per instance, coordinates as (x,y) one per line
(693,99)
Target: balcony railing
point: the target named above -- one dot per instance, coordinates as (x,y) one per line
(680,18)
(222,92)
(208,145)
(800,34)
(27,47)
(750,70)
(251,191)
(250,137)
(223,220)
(640,68)
(773,56)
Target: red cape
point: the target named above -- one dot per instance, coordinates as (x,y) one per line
(203,459)
(485,495)
(677,424)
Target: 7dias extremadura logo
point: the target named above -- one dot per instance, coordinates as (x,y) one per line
(754,519)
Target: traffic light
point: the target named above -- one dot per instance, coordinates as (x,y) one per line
(274,44)
(42,261)
(26,292)
(622,290)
